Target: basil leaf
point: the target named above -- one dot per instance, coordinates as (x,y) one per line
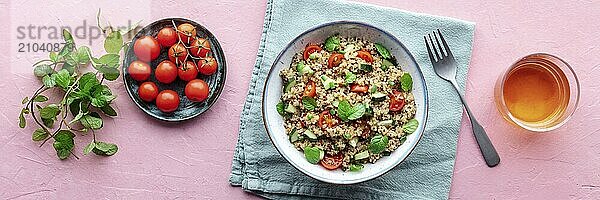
(350,77)
(406,82)
(39,135)
(49,112)
(378,144)
(357,112)
(91,121)
(383,51)
(281,108)
(113,42)
(63,143)
(42,70)
(48,81)
(356,167)
(105,149)
(89,148)
(63,78)
(410,126)
(309,103)
(313,154)
(344,110)
(332,43)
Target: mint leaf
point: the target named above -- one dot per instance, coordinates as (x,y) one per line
(42,70)
(88,81)
(410,126)
(113,42)
(105,149)
(48,81)
(40,98)
(111,60)
(108,110)
(406,82)
(91,121)
(281,108)
(357,112)
(53,56)
(83,55)
(110,73)
(309,103)
(313,154)
(63,143)
(383,51)
(89,148)
(22,122)
(344,110)
(39,135)
(63,78)
(378,144)
(332,43)
(49,112)
(101,96)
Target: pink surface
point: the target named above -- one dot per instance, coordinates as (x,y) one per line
(193,159)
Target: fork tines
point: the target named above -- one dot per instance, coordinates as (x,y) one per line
(441,55)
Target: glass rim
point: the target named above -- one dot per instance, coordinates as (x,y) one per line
(567,115)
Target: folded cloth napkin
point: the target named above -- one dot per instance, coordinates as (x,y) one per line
(426,173)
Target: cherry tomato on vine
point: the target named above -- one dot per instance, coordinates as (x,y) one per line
(177,53)
(166,72)
(207,66)
(146,48)
(139,71)
(396,101)
(167,101)
(196,90)
(187,71)
(186,32)
(310,90)
(332,162)
(335,59)
(167,37)
(365,56)
(200,47)
(148,91)
(311,48)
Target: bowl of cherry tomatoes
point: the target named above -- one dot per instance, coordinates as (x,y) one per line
(174,69)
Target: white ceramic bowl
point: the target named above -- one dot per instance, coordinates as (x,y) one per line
(273,88)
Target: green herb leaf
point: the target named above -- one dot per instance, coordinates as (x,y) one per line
(366,67)
(383,51)
(83,55)
(281,108)
(111,60)
(378,144)
(89,148)
(88,81)
(39,135)
(113,42)
(67,36)
(49,112)
(53,56)
(63,143)
(25,100)
(63,78)
(332,43)
(406,82)
(356,167)
(22,122)
(344,110)
(309,103)
(48,122)
(108,110)
(91,121)
(410,126)
(357,112)
(350,77)
(105,149)
(48,81)
(101,96)
(42,70)
(40,98)
(110,73)
(313,154)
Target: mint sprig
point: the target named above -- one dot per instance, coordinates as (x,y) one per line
(347,112)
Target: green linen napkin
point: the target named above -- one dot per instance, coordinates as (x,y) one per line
(426,174)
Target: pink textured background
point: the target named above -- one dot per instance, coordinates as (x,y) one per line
(193,159)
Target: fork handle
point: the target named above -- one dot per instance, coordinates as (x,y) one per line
(485,145)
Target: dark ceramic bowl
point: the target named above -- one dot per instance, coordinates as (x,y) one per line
(187,109)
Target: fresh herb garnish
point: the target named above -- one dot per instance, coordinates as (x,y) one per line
(332,43)
(347,112)
(383,51)
(378,144)
(309,103)
(410,126)
(366,67)
(406,82)
(281,108)
(313,154)
(350,78)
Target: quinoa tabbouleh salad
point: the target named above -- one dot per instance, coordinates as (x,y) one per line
(346,103)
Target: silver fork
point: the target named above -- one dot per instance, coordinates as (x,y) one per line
(445,67)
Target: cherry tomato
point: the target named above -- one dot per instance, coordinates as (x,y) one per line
(332,162)
(365,56)
(167,101)
(167,37)
(359,88)
(187,71)
(146,48)
(178,53)
(166,72)
(311,48)
(310,90)
(148,91)
(186,32)
(207,66)
(396,101)
(139,71)
(200,47)
(335,59)
(196,90)
(326,120)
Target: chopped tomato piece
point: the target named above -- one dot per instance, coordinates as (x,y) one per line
(326,120)
(365,56)
(311,48)
(359,88)
(332,162)
(310,90)
(335,59)
(396,101)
